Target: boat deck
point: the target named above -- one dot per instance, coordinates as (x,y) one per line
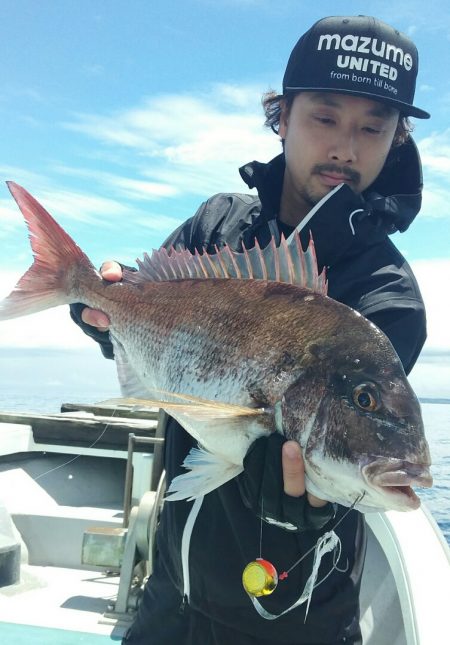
(55,491)
(55,488)
(58,605)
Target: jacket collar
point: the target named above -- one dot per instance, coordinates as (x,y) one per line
(343,222)
(396,194)
(395,197)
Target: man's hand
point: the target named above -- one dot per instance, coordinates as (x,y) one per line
(294,473)
(273,486)
(111,271)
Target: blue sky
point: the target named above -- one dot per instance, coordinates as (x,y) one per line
(122,117)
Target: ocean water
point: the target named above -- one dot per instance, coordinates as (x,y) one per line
(40,380)
(436,416)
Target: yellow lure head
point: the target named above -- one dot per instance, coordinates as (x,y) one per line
(259,578)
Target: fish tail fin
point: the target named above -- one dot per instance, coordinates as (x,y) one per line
(206,473)
(45,284)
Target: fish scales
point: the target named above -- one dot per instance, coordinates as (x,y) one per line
(194,331)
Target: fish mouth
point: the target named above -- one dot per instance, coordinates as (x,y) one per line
(395,478)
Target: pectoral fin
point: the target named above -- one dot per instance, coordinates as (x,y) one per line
(192,407)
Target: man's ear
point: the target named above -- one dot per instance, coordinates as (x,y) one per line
(284,117)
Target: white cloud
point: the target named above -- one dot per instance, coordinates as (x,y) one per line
(190,144)
(203,136)
(435,156)
(8,214)
(128,187)
(138,189)
(87,207)
(167,147)
(436,200)
(435,152)
(426,88)
(63,203)
(23,94)
(432,275)
(19,175)
(51,328)
(80,206)
(158,222)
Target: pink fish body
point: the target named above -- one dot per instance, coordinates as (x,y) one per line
(238,345)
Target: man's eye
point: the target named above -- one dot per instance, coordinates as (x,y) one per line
(372,130)
(324,119)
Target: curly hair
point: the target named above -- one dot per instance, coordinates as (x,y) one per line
(271,102)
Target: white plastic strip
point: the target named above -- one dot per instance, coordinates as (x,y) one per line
(313,211)
(326,543)
(186,542)
(358,210)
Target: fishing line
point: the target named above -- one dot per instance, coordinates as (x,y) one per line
(357,500)
(261,528)
(70,461)
(260,578)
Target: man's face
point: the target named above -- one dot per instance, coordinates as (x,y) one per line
(333,138)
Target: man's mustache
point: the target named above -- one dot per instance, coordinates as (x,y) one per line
(353,175)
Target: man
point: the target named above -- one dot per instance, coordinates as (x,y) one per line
(349,175)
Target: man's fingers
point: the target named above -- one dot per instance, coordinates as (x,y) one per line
(111,271)
(95,318)
(294,473)
(315,501)
(293,469)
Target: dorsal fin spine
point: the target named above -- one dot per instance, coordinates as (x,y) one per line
(300,255)
(311,258)
(202,272)
(233,261)
(221,262)
(194,264)
(276,257)
(261,261)
(178,269)
(214,265)
(183,258)
(170,265)
(288,259)
(165,264)
(248,263)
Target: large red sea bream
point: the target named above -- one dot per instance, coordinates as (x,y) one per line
(239,345)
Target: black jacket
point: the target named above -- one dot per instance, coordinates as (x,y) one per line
(365,271)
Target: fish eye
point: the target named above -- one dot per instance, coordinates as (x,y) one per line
(365,397)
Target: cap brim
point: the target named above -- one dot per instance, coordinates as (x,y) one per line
(404,108)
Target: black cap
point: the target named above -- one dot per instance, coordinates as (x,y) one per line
(356,55)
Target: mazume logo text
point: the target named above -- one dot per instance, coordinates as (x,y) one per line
(367,45)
